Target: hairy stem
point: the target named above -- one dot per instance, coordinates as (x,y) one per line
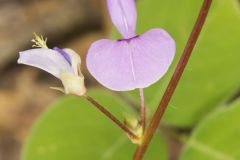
(111,116)
(174,81)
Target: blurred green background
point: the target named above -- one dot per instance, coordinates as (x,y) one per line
(201,121)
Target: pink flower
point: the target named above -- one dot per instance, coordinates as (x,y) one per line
(136,61)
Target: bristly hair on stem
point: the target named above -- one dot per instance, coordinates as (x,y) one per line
(174,81)
(112,117)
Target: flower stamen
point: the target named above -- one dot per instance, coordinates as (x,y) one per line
(39,41)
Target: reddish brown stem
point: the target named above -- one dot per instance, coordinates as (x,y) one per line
(174,81)
(142,109)
(112,117)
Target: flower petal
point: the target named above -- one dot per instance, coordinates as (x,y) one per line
(134,63)
(64,54)
(124,16)
(109,62)
(75,60)
(153,53)
(45,59)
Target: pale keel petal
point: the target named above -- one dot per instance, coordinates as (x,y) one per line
(45,59)
(124,16)
(75,60)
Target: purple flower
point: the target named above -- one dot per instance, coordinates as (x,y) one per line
(136,61)
(63,64)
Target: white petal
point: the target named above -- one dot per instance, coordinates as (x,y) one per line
(75,60)
(45,59)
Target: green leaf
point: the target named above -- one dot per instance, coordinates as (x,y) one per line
(217,137)
(211,75)
(73,129)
